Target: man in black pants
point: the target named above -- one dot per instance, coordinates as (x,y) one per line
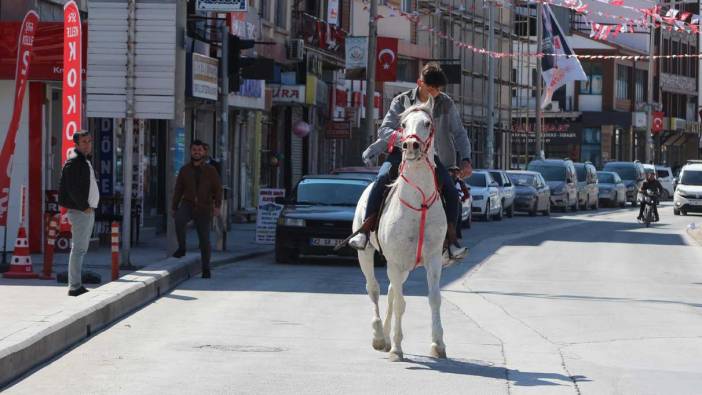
(197,196)
(450,138)
(650,183)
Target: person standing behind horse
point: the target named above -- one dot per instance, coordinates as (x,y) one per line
(197,197)
(450,138)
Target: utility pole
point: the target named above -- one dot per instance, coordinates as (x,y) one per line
(539,82)
(177,125)
(128,152)
(490,140)
(224,125)
(370,72)
(649,93)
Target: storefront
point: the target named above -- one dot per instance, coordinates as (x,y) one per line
(562,139)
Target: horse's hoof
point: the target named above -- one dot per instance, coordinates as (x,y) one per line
(379,344)
(395,356)
(438,352)
(388,345)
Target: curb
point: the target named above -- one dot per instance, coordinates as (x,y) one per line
(44,337)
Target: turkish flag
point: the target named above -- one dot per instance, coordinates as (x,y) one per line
(657,125)
(386,59)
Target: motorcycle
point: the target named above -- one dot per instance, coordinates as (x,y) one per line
(651,199)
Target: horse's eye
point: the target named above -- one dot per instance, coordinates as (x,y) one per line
(403,125)
(427,123)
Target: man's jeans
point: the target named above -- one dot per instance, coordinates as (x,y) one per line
(388,173)
(81,229)
(203,222)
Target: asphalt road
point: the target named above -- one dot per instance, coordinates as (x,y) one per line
(587,303)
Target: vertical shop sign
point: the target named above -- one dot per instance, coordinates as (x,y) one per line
(72,93)
(24,54)
(267,214)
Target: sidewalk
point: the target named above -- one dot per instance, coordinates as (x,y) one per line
(32,310)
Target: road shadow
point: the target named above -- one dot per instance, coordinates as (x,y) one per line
(582,297)
(515,377)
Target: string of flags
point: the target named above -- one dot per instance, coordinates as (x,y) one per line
(672,20)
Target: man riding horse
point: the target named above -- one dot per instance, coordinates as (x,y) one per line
(450,138)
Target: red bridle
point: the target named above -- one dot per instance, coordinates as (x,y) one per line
(427,201)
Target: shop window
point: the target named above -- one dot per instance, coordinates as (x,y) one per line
(622,82)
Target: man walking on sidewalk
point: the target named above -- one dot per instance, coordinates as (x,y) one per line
(197,196)
(78,192)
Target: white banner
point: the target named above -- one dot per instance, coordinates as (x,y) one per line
(356,52)
(267,214)
(333,12)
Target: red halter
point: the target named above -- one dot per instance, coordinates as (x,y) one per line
(427,201)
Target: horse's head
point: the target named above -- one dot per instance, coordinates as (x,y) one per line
(417,128)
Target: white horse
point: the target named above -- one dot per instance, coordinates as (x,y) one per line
(400,236)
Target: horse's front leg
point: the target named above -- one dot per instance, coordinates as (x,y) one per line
(438,348)
(365,258)
(397,279)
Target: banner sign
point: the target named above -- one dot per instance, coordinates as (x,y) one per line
(72,93)
(222,5)
(657,125)
(356,52)
(338,130)
(267,214)
(107,149)
(204,76)
(333,12)
(24,55)
(386,59)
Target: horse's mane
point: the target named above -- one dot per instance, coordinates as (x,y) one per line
(425,107)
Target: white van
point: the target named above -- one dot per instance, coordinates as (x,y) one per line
(688,193)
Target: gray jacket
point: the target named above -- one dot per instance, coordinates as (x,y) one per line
(450,136)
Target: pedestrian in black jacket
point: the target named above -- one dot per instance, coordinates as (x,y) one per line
(78,192)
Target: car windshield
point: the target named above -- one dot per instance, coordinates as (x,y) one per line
(522,180)
(582,174)
(550,173)
(662,173)
(330,192)
(691,177)
(625,172)
(477,180)
(364,175)
(605,178)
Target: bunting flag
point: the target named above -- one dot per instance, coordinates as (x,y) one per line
(557,71)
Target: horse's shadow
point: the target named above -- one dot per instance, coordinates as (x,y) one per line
(485,369)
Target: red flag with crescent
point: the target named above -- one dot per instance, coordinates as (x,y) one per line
(386,59)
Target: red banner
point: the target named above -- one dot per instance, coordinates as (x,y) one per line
(72,98)
(24,56)
(386,59)
(657,125)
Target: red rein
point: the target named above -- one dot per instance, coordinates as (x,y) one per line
(427,201)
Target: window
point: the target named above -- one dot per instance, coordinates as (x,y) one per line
(406,6)
(534,81)
(593,85)
(265,10)
(641,85)
(685,62)
(622,82)
(676,61)
(666,51)
(281,13)
(693,62)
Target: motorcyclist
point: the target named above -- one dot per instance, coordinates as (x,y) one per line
(650,183)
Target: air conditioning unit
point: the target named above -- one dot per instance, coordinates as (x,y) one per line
(552,107)
(295,49)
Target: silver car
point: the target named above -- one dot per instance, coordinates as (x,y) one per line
(612,189)
(506,191)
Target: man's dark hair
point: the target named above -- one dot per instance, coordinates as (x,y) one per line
(432,75)
(198,142)
(77,135)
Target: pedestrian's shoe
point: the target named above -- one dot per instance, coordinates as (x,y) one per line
(206,273)
(180,252)
(360,241)
(77,292)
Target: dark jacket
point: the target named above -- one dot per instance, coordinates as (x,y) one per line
(203,196)
(74,186)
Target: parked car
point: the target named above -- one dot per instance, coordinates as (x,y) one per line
(688,193)
(588,192)
(561,179)
(612,190)
(504,185)
(632,174)
(665,177)
(486,196)
(467,211)
(532,193)
(317,217)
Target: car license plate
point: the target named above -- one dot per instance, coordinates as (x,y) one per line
(325,242)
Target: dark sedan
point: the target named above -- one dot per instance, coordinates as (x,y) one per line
(532,193)
(318,217)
